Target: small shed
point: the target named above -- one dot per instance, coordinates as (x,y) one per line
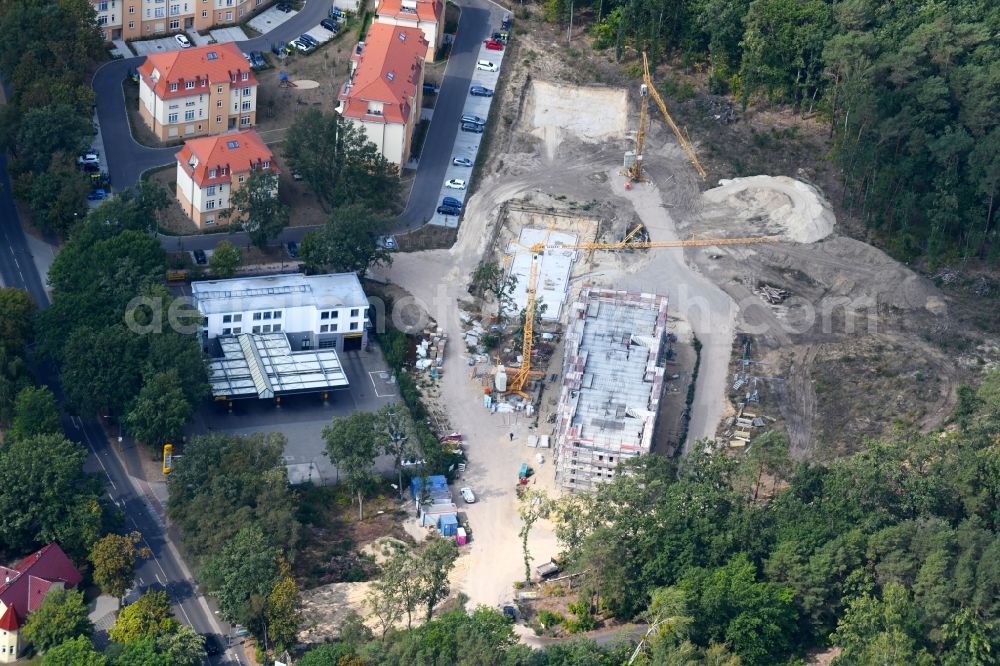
(448,524)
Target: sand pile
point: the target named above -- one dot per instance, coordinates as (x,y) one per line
(801,212)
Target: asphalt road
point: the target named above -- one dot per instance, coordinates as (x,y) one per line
(166,567)
(128,159)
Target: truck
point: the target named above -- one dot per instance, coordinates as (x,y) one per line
(523,473)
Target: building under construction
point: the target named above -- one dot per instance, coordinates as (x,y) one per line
(613,378)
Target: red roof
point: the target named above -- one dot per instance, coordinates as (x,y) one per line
(25,585)
(228,154)
(422,10)
(389,72)
(9,620)
(204,65)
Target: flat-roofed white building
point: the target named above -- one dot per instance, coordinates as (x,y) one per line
(280,334)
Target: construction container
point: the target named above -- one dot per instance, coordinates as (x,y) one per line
(461,538)
(448,525)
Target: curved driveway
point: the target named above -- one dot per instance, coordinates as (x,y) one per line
(127,159)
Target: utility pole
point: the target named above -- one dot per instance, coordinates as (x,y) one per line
(569,32)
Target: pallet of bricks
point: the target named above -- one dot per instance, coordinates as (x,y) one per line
(430,353)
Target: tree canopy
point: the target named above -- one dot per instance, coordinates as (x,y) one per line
(61,616)
(256,208)
(348,242)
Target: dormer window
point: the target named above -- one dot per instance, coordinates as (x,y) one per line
(173,87)
(211,173)
(267,164)
(246,76)
(189,85)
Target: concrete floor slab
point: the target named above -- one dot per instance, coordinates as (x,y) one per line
(268,20)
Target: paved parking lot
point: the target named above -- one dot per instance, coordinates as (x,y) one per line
(467,143)
(302,418)
(159,45)
(225,35)
(270,19)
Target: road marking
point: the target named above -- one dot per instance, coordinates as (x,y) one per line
(90,444)
(371,376)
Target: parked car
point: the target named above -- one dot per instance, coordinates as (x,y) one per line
(510,612)
(183,41)
(309,39)
(200,258)
(305,47)
(462,161)
(247,57)
(283,7)
(97,195)
(480,91)
(337,13)
(504,37)
(449,210)
(472,118)
(88,158)
(476,128)
(468,495)
(279,49)
(257,59)
(455,184)
(388,242)
(293,249)
(494,45)
(91,167)
(411,462)
(330,25)
(505,23)
(486,66)
(451,201)
(430,89)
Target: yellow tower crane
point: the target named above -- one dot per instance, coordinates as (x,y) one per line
(646,91)
(521,376)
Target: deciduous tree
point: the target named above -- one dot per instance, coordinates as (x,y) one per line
(352,444)
(35,413)
(149,616)
(61,616)
(77,651)
(348,242)
(283,616)
(160,410)
(256,208)
(225,260)
(433,564)
(114,558)
(532,505)
(244,569)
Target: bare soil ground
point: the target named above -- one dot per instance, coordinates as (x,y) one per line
(858,347)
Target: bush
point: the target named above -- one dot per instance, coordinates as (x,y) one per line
(549,619)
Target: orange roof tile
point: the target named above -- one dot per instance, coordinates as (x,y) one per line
(228,154)
(423,10)
(388,72)
(204,65)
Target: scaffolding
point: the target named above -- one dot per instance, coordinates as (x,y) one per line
(612,383)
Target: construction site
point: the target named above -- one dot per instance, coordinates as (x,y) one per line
(653,309)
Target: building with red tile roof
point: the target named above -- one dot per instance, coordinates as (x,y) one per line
(24,586)
(385,91)
(203,90)
(427,15)
(209,169)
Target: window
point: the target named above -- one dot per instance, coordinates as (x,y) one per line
(172,118)
(334,314)
(227,319)
(189,85)
(189,115)
(175,10)
(218,119)
(102,20)
(227,331)
(237,330)
(219,90)
(131,10)
(174,25)
(229,16)
(246,91)
(246,105)
(173,87)
(149,13)
(354,325)
(267,164)
(102,7)
(267,315)
(211,173)
(256,329)
(218,104)
(257,316)
(204,14)
(242,177)
(131,24)
(325,328)
(276,328)
(210,190)
(210,204)
(160,12)
(354,312)
(238,317)
(324,315)
(245,120)
(267,328)
(277,314)
(333,328)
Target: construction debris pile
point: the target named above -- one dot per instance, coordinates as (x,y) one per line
(772,295)
(430,353)
(740,428)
